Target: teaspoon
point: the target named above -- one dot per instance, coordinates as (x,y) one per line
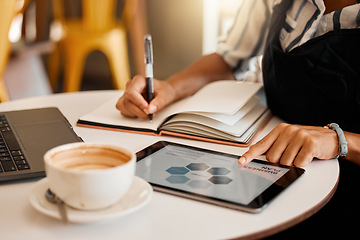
(51,197)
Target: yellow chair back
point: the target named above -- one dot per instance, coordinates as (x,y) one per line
(98,15)
(7,13)
(98,29)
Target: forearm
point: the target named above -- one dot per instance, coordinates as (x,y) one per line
(353,140)
(207,69)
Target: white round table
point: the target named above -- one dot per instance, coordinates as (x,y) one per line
(166,216)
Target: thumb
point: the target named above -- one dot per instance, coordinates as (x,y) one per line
(152,108)
(156,104)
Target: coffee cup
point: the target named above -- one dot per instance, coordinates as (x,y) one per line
(89,176)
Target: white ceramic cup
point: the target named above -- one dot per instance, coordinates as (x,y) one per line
(89,176)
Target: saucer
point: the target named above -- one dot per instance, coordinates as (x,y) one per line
(139,194)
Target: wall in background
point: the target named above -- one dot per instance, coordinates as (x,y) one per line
(184,30)
(177,29)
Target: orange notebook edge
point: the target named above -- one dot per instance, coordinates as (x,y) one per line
(88,125)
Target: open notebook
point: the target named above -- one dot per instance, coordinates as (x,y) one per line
(224,111)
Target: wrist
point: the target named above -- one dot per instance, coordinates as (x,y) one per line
(183,85)
(175,90)
(353,140)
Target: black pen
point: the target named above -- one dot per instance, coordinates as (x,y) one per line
(149,70)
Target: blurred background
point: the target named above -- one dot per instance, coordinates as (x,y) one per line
(76,45)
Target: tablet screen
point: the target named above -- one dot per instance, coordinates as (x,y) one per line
(212,175)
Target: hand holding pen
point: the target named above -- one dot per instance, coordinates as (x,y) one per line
(149,70)
(141,99)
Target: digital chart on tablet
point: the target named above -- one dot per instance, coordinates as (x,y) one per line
(213,177)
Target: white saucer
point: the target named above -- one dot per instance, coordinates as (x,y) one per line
(139,194)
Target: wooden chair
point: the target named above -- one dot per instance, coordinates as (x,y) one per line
(98,29)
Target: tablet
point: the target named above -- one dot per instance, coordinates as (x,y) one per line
(213,177)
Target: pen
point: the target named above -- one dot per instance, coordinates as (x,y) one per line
(149,70)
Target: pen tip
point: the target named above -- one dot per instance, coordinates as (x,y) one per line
(150,117)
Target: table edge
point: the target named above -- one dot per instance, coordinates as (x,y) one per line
(291,222)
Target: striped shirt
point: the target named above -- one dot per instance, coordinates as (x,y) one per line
(304,20)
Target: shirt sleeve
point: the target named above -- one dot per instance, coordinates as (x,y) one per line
(246,38)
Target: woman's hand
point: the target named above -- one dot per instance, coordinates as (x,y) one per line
(133,102)
(295,145)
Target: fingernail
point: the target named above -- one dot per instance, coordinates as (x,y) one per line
(152,109)
(146,110)
(242,160)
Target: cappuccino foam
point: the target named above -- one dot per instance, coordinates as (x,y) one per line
(85,159)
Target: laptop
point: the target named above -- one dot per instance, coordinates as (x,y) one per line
(25,136)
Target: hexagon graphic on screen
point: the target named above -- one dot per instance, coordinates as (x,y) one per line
(220,180)
(177,170)
(197,166)
(218,171)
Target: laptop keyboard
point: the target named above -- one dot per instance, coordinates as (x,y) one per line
(11,156)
